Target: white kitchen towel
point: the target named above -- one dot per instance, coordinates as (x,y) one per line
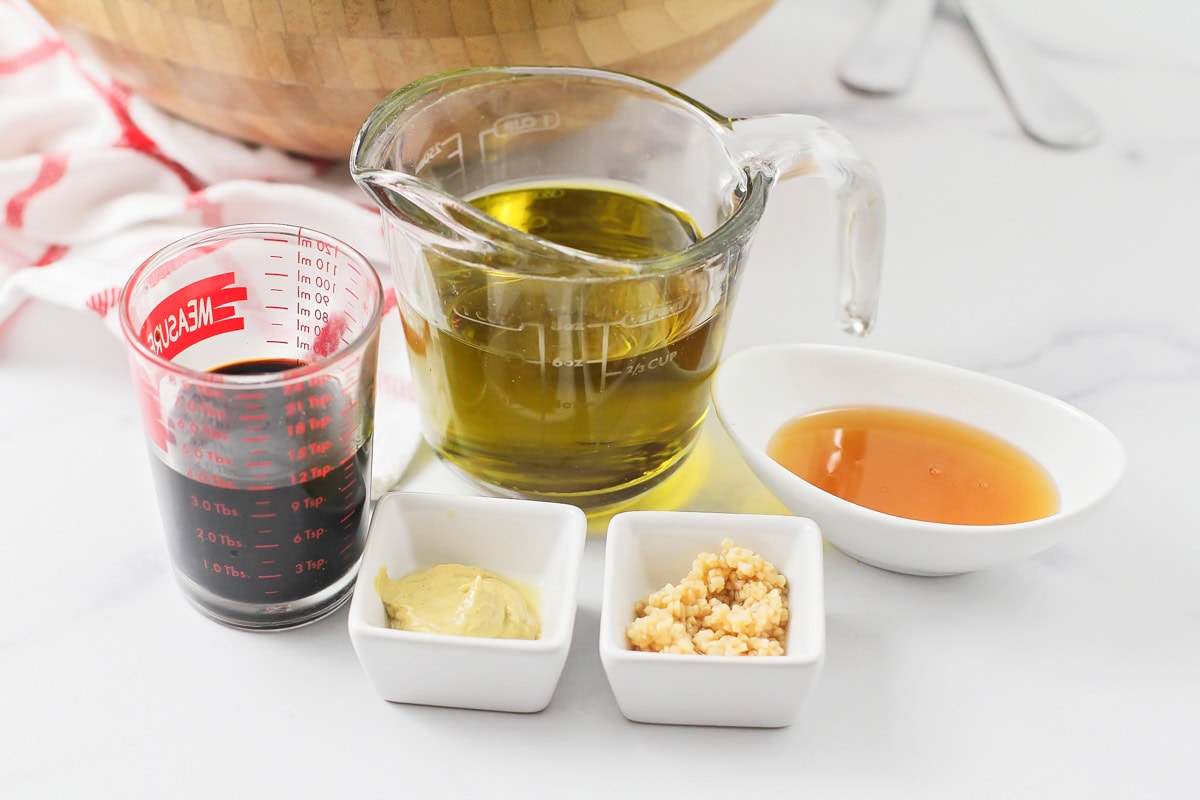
(93,180)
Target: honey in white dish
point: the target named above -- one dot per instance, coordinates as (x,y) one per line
(916,465)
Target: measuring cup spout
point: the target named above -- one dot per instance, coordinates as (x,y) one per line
(436,221)
(422,207)
(783,146)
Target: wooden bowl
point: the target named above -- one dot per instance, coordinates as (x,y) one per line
(304,79)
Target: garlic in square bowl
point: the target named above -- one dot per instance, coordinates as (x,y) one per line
(699,586)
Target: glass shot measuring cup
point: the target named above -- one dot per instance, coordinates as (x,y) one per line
(253,350)
(566,246)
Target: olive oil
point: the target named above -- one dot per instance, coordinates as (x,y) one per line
(604,222)
(915,465)
(586,390)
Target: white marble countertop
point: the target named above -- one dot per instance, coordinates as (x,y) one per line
(1075,673)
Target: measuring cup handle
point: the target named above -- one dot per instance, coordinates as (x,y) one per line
(783,146)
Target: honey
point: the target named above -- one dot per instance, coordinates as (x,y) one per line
(915,465)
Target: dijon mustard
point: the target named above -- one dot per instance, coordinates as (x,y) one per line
(458,600)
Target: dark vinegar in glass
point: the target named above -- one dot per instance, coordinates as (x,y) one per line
(289,536)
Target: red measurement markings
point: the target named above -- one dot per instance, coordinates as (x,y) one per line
(350,292)
(269,239)
(256,439)
(223,569)
(253,417)
(276,274)
(310,241)
(205,391)
(310,424)
(156,427)
(271,577)
(211,480)
(265,546)
(278,308)
(306,475)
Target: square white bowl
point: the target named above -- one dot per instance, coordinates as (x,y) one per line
(646,550)
(533,543)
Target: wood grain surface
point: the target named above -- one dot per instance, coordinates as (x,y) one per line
(302,75)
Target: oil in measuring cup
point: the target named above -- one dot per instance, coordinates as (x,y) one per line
(254,350)
(564,388)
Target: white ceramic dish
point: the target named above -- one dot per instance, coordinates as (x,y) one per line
(757,390)
(537,544)
(645,550)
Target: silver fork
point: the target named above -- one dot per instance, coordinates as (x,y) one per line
(884,57)
(1041,106)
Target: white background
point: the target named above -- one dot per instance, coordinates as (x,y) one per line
(1075,673)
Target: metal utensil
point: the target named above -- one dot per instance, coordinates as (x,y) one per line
(1041,106)
(884,57)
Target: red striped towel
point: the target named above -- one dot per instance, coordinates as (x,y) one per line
(93,180)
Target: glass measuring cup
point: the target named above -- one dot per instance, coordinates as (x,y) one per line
(253,350)
(566,245)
